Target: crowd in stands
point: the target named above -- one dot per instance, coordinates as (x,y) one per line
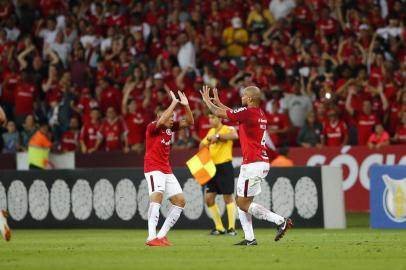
(332,72)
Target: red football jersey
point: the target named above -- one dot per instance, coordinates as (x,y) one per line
(86,104)
(69,141)
(10,82)
(277,121)
(334,134)
(24,98)
(202,126)
(136,124)
(158,146)
(88,134)
(112,133)
(252,131)
(110,97)
(401,134)
(365,125)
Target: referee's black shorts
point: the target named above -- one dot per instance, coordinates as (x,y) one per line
(223,180)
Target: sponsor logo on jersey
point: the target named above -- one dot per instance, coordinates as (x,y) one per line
(239,110)
(166,142)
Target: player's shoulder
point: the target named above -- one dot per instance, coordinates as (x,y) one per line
(152,124)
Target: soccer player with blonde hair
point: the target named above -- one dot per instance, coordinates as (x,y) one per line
(255,165)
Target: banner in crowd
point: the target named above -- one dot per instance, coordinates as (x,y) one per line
(388,197)
(356,162)
(118,198)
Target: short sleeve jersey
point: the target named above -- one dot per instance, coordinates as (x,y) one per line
(252,129)
(158,147)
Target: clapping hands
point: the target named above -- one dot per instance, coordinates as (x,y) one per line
(182,98)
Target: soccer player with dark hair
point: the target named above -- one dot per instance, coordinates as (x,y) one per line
(158,172)
(255,165)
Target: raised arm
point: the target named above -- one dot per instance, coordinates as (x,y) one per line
(217,100)
(21,57)
(168,112)
(220,112)
(383,98)
(189,121)
(348,103)
(179,79)
(128,87)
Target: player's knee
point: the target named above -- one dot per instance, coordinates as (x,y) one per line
(210,200)
(228,199)
(242,204)
(181,203)
(156,197)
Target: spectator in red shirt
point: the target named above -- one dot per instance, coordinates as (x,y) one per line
(335,131)
(400,134)
(88,133)
(209,45)
(24,98)
(70,138)
(51,86)
(202,125)
(115,18)
(136,119)
(109,96)
(85,104)
(365,120)
(379,138)
(278,125)
(10,79)
(327,25)
(113,131)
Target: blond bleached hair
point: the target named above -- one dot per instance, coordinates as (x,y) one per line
(254,93)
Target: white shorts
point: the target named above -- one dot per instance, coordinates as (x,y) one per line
(249,180)
(164,183)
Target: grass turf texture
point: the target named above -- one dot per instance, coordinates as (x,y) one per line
(355,248)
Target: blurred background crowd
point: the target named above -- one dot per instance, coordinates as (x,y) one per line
(332,72)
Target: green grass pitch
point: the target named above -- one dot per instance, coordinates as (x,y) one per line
(355,248)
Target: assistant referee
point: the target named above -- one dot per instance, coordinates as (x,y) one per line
(219,139)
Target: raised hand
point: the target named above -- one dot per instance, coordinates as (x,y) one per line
(174,99)
(183,99)
(205,92)
(216,95)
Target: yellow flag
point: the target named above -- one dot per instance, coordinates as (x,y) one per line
(201,166)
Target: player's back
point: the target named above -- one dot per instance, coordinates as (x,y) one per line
(253,124)
(157,148)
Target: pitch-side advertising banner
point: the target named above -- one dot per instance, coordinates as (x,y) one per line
(356,162)
(388,197)
(118,198)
